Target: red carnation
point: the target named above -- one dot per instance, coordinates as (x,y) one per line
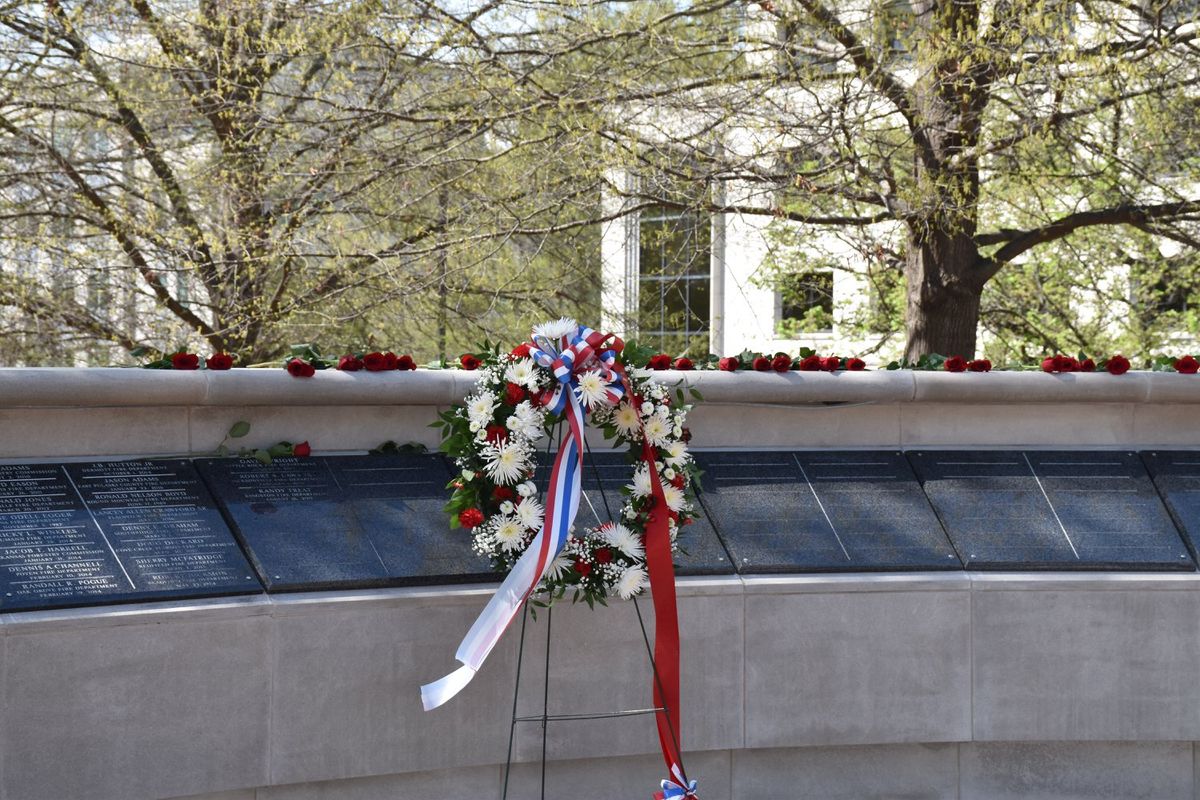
(375,362)
(349,363)
(955,364)
(782,362)
(185,361)
(495,433)
(299,368)
(513,393)
(502,493)
(683,363)
(979,365)
(219,361)
(809,363)
(678,480)
(470,518)
(582,567)
(729,364)
(831,363)
(1087,365)
(405,362)
(1188,365)
(1117,365)
(855,364)
(521,350)
(468,361)
(660,361)
(603,556)
(302,450)
(761,364)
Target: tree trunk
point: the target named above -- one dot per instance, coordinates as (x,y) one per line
(942,309)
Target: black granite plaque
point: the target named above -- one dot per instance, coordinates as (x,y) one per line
(1051,509)
(604,473)
(113,531)
(1176,473)
(810,511)
(345,521)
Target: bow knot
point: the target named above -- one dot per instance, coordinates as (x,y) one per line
(574,354)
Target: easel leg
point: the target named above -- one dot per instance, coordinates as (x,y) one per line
(546,698)
(512,729)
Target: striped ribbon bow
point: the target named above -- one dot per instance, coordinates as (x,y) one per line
(570,358)
(677,787)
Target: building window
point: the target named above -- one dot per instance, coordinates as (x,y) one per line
(674,249)
(806,303)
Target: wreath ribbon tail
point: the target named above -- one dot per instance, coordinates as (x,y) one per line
(562,504)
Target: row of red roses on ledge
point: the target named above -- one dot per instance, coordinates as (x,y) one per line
(780,362)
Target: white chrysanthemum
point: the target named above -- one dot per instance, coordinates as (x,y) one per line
(557,568)
(530,512)
(657,430)
(641,482)
(624,540)
(676,454)
(521,373)
(507,461)
(480,408)
(673,496)
(592,389)
(631,582)
(626,420)
(528,421)
(563,326)
(508,533)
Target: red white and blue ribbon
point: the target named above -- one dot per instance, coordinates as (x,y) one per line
(676,787)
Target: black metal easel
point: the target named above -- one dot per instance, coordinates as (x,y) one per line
(545,717)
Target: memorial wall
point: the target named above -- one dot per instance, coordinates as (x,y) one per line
(881,562)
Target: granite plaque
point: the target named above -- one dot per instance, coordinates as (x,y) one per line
(1052,509)
(1176,473)
(604,473)
(809,511)
(344,521)
(113,531)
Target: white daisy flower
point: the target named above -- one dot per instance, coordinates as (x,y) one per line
(527,489)
(530,512)
(631,582)
(676,454)
(508,533)
(557,329)
(480,408)
(647,409)
(521,373)
(626,420)
(673,496)
(624,540)
(506,461)
(592,389)
(657,430)
(507,507)
(641,482)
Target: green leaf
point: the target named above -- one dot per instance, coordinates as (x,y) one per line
(239,429)
(263,457)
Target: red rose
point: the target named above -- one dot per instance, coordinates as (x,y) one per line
(1065,364)
(582,567)
(185,361)
(1087,365)
(389,360)
(1048,364)
(782,362)
(302,450)
(831,364)
(219,361)
(496,432)
(468,361)
(470,518)
(809,363)
(1188,365)
(684,364)
(660,361)
(1117,365)
(855,364)
(405,362)
(761,364)
(521,350)
(502,493)
(299,368)
(513,394)
(349,363)
(980,365)
(374,362)
(603,556)
(729,364)
(955,364)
